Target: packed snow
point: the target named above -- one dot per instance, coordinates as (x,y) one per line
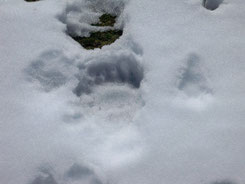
(163,104)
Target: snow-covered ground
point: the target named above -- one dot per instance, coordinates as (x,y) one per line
(164,104)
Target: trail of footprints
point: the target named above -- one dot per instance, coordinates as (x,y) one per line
(103,67)
(111,74)
(117,66)
(95,24)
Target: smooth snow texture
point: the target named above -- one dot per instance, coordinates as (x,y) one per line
(164,104)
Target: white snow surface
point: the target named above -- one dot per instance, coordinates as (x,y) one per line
(164,104)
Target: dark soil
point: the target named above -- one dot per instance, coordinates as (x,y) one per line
(106,20)
(99,39)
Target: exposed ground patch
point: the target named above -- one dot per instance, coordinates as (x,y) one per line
(99,39)
(106,20)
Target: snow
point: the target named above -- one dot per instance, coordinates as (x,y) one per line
(163,104)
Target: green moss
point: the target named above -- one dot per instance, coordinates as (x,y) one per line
(99,39)
(106,20)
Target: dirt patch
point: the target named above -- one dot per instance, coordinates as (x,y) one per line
(106,20)
(99,39)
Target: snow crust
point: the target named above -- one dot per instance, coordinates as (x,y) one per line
(163,104)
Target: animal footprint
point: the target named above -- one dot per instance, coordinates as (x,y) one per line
(192,81)
(212,4)
(51,70)
(109,69)
(192,85)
